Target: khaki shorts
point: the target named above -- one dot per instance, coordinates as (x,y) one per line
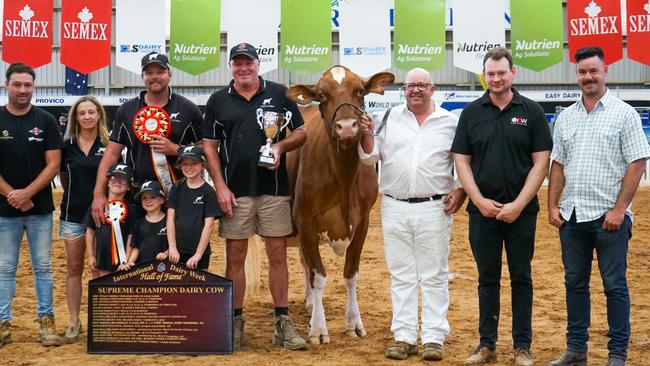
(262,215)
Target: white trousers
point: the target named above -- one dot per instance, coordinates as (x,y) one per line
(416,246)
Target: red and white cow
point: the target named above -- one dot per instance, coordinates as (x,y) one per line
(332,191)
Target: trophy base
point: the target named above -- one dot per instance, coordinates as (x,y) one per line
(266,161)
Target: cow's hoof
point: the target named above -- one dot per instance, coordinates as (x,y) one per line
(357,332)
(309,307)
(321,339)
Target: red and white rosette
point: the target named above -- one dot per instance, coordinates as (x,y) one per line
(116,214)
(149,121)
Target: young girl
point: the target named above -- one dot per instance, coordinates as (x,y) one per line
(102,242)
(149,237)
(192,210)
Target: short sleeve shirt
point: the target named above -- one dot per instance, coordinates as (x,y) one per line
(186,128)
(232,120)
(150,238)
(24,140)
(192,206)
(501,144)
(82,173)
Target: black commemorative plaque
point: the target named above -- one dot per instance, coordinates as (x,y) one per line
(160,307)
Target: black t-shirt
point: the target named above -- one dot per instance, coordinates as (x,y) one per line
(192,207)
(232,120)
(501,143)
(187,128)
(24,141)
(82,173)
(150,238)
(103,238)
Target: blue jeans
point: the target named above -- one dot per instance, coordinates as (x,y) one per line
(39,237)
(578,243)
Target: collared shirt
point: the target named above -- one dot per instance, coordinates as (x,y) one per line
(595,149)
(186,128)
(232,120)
(416,160)
(501,144)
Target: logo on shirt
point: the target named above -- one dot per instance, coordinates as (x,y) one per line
(100,151)
(162,231)
(174,115)
(519,121)
(198,200)
(35,131)
(32,138)
(267,101)
(5,135)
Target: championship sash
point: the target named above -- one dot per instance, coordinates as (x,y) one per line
(152,120)
(116,214)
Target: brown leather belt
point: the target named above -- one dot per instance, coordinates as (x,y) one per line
(418,199)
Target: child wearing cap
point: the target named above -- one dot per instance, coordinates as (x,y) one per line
(149,237)
(191,213)
(101,241)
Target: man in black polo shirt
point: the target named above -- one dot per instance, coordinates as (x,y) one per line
(253,199)
(186,128)
(501,150)
(30,147)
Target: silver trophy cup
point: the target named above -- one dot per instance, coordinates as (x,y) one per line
(271,123)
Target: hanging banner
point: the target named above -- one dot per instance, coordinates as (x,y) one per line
(27,32)
(364,39)
(132,40)
(536,35)
(419,34)
(478,28)
(264,35)
(195,38)
(306,35)
(86,34)
(595,23)
(638,31)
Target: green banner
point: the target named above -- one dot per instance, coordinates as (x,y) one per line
(536,33)
(306,42)
(419,34)
(195,35)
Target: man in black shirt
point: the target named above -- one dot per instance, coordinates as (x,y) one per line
(501,151)
(186,127)
(253,199)
(30,146)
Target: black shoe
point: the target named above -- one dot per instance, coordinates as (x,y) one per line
(570,359)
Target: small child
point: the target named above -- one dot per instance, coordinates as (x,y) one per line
(102,243)
(149,237)
(192,210)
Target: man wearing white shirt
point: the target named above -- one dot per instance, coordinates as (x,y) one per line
(420,195)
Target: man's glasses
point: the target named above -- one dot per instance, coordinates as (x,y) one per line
(418,86)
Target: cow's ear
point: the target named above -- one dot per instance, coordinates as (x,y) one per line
(301,94)
(373,84)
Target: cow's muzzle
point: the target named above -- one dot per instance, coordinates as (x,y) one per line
(346,128)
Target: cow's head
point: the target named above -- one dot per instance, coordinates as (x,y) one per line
(340,93)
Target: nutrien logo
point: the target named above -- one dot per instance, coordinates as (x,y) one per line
(593,24)
(84,29)
(26,27)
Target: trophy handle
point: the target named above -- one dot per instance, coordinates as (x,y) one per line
(287,117)
(260,114)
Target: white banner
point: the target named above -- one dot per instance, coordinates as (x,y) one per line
(255,22)
(364,39)
(478,27)
(139,29)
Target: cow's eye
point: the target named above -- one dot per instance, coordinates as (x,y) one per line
(321,96)
(361,93)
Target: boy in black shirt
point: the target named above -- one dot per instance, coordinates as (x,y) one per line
(149,238)
(192,210)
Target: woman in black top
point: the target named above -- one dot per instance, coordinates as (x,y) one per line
(85,140)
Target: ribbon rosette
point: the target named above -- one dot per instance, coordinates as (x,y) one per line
(151,120)
(116,214)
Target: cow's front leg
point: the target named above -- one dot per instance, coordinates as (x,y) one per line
(309,299)
(318,325)
(353,324)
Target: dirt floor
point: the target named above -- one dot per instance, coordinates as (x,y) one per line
(374,297)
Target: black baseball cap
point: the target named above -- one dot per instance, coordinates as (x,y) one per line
(150,186)
(155,58)
(121,169)
(191,152)
(245,49)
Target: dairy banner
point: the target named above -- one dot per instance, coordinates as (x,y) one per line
(306,35)
(638,31)
(133,41)
(595,23)
(86,34)
(195,36)
(27,32)
(478,27)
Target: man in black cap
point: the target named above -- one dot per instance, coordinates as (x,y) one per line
(151,155)
(254,199)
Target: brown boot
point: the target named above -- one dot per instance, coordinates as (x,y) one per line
(5,332)
(401,350)
(432,352)
(481,356)
(286,334)
(239,340)
(47,332)
(523,357)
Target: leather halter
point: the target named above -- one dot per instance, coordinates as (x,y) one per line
(336,110)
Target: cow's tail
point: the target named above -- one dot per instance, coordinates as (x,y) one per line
(253,265)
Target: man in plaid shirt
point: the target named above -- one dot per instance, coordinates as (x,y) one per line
(599,155)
